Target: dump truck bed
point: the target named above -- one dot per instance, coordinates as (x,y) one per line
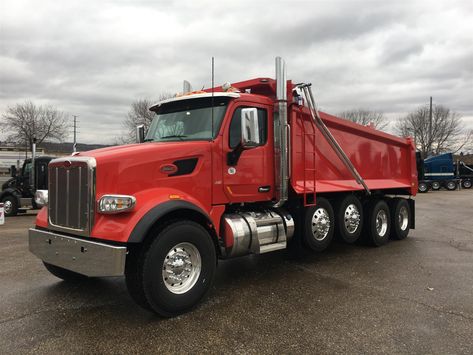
(384,161)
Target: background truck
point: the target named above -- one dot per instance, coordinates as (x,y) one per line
(247,168)
(465,174)
(17,193)
(442,170)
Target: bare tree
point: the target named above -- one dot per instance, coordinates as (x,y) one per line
(445,134)
(139,114)
(24,122)
(365,117)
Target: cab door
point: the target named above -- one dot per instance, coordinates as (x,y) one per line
(248,173)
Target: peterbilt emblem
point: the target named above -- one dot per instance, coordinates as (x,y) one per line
(168,169)
(67,164)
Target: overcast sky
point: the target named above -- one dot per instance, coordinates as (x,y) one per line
(93,58)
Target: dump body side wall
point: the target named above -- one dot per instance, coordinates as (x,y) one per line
(384,161)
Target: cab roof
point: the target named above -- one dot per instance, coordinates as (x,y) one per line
(191,96)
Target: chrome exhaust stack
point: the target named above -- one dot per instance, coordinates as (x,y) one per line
(281,131)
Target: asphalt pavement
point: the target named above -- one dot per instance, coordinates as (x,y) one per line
(410,296)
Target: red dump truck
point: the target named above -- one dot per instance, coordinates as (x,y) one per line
(247,168)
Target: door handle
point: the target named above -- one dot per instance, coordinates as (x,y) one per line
(264,188)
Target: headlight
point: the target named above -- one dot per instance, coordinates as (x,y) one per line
(116,203)
(41,197)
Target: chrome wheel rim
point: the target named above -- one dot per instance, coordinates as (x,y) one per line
(7,207)
(435,185)
(423,187)
(320,224)
(352,218)
(467,184)
(451,185)
(403,218)
(181,268)
(381,223)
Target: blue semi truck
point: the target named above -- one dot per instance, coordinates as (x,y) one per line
(442,170)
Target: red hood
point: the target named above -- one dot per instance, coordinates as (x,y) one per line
(136,167)
(123,151)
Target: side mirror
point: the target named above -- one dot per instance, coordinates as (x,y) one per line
(140,133)
(13,171)
(249,128)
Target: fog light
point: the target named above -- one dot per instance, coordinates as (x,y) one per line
(41,198)
(116,203)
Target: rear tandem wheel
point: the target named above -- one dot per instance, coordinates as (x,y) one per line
(348,218)
(377,222)
(318,225)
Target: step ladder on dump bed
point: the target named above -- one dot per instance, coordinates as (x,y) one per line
(309,99)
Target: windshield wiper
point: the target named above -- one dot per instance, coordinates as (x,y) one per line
(174,136)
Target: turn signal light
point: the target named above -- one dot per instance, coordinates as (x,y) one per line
(116,203)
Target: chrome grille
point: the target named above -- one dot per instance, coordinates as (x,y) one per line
(71,194)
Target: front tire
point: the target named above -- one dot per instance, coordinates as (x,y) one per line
(423,187)
(318,225)
(10,205)
(177,269)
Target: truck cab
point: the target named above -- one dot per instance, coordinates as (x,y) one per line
(438,171)
(18,192)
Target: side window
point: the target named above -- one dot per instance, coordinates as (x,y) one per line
(27,169)
(235,127)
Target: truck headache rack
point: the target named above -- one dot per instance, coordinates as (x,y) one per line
(306,88)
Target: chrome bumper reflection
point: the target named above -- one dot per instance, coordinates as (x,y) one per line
(78,255)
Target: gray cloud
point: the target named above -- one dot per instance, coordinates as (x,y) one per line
(93,59)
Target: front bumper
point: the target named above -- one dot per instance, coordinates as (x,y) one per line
(84,257)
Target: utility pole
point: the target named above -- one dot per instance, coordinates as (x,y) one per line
(74,147)
(429,152)
(33,167)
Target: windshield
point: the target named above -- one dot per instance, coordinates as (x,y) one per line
(187,120)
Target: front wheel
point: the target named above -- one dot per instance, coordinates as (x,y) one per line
(10,205)
(177,269)
(423,187)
